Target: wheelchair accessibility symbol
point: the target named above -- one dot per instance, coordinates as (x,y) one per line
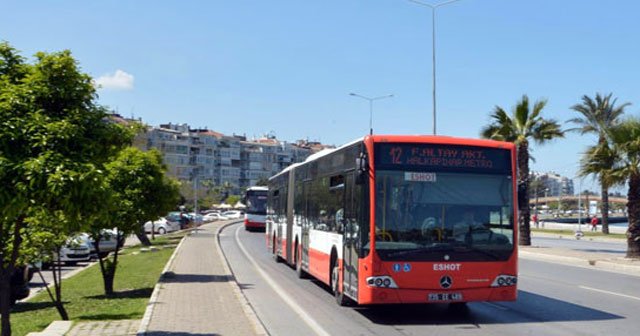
(407,268)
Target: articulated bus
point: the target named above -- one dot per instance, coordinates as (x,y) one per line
(255,198)
(401,219)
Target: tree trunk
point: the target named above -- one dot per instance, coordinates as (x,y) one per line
(523,195)
(142,236)
(7,269)
(108,268)
(604,208)
(56,269)
(633,207)
(5,300)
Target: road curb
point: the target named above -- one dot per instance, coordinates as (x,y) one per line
(599,264)
(146,319)
(257,325)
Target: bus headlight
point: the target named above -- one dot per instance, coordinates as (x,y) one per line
(383,281)
(504,280)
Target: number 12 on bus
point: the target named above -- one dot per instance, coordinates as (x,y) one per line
(401,219)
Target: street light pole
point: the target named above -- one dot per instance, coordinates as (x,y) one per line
(370,106)
(433,47)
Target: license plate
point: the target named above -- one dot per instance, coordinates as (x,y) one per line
(436,297)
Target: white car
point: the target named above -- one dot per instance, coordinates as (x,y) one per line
(210,217)
(233,214)
(76,249)
(161,226)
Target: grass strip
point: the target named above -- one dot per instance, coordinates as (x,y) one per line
(83,294)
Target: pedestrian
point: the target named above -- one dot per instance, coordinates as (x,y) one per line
(535,220)
(594,223)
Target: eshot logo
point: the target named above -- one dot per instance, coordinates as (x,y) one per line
(446,267)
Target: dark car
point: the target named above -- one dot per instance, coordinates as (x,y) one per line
(178,217)
(19,284)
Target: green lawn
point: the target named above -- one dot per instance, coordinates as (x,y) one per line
(83,293)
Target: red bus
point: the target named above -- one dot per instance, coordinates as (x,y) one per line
(401,219)
(255,198)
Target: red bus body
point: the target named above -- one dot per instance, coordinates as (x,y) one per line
(349,219)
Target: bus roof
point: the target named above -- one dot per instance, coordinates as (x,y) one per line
(257,188)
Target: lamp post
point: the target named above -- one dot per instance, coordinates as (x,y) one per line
(433,22)
(370,106)
(195,199)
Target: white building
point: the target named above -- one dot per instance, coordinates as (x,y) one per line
(220,158)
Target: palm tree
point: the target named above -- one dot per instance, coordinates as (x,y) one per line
(523,125)
(598,116)
(625,138)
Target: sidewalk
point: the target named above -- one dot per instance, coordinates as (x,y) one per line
(197,294)
(604,260)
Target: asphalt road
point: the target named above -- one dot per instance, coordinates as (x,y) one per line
(614,247)
(36,283)
(553,300)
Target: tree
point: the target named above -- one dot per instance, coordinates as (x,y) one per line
(625,138)
(598,116)
(263,181)
(53,139)
(140,192)
(233,199)
(523,125)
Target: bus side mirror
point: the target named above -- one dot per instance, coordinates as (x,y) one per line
(361,172)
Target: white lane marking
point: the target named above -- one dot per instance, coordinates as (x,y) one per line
(612,293)
(315,326)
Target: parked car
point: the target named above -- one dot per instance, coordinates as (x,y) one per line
(178,217)
(195,218)
(161,226)
(76,249)
(19,284)
(210,217)
(108,242)
(233,214)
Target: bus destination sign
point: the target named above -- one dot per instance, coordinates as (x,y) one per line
(437,157)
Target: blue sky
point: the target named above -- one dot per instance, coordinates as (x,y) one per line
(288,66)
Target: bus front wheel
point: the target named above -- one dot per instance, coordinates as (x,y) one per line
(341,299)
(298,257)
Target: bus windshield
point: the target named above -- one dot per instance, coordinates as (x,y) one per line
(443,216)
(256,202)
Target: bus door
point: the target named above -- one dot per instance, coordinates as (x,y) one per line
(289,219)
(350,252)
(306,224)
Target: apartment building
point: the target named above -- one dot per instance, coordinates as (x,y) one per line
(554,184)
(218,158)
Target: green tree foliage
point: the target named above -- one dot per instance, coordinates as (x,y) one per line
(524,124)
(233,199)
(140,192)
(597,117)
(625,140)
(53,139)
(263,181)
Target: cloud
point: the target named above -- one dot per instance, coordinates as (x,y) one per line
(119,80)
